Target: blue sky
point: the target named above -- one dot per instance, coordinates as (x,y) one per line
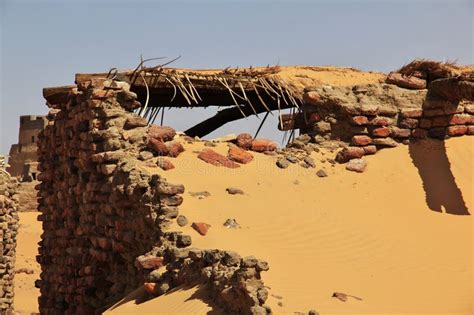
(44,43)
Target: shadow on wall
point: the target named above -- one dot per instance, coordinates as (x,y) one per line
(442,192)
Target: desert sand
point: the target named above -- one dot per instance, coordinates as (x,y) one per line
(371,235)
(26,295)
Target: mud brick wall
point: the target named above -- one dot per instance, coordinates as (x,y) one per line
(100,207)
(369,118)
(8,233)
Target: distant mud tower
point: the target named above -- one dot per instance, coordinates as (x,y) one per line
(23,156)
(8,233)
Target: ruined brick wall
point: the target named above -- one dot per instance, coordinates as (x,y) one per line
(369,118)
(8,232)
(102,210)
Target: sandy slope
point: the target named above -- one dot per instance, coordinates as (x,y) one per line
(371,235)
(26,295)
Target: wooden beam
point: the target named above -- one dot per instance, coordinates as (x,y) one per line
(225,116)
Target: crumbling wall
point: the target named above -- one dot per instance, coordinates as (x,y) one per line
(102,210)
(8,232)
(372,117)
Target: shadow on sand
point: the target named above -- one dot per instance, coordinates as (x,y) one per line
(140,296)
(442,192)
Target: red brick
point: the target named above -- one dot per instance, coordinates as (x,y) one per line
(239,155)
(201,227)
(470,130)
(314,117)
(359,120)
(361,140)
(101,94)
(165,164)
(370,149)
(409,123)
(158,146)
(174,149)
(381,121)
(261,145)
(150,288)
(135,121)
(412,113)
(461,119)
(454,131)
(425,123)
(244,140)
(214,158)
(150,262)
(469,108)
(350,153)
(311,97)
(381,132)
(439,122)
(419,133)
(162,133)
(433,112)
(400,133)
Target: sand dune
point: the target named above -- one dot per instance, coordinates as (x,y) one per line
(371,235)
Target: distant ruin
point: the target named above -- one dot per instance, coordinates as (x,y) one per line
(106,217)
(23,155)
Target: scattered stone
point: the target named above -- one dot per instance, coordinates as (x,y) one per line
(158,146)
(28,271)
(244,141)
(164,164)
(145,155)
(182,220)
(212,157)
(162,133)
(234,191)
(321,173)
(210,144)
(356,165)
(313,312)
(282,163)
(370,149)
(349,153)
(309,161)
(226,138)
(175,149)
(239,155)
(200,194)
(149,262)
(261,145)
(201,227)
(231,224)
(293,159)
